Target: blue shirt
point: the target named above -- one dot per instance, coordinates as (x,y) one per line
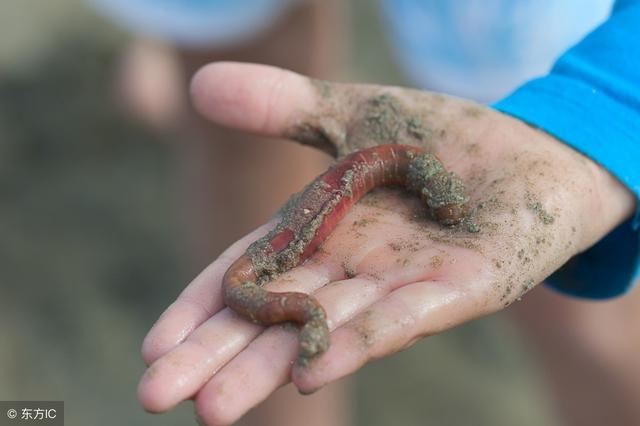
(591,100)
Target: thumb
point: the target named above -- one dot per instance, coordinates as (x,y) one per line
(259,99)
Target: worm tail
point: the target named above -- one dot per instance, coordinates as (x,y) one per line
(245,297)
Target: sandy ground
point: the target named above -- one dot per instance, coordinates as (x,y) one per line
(91,250)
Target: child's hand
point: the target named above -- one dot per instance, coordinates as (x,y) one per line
(387,276)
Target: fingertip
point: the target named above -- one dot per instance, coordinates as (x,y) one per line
(149,396)
(308,379)
(212,408)
(343,358)
(173,378)
(306,389)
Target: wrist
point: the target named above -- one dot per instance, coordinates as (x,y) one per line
(612,201)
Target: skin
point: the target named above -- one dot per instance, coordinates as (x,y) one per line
(313,214)
(386,276)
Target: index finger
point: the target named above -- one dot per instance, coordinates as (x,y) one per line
(196,303)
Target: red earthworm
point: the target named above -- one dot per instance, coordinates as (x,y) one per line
(310,218)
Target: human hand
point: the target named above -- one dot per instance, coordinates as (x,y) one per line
(386,275)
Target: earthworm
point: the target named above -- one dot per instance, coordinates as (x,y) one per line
(311,216)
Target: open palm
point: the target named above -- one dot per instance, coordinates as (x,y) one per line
(387,275)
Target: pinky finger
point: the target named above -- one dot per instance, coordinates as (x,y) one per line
(394,323)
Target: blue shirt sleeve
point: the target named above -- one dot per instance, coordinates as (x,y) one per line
(591,101)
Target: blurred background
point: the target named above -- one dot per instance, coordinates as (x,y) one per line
(93,246)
